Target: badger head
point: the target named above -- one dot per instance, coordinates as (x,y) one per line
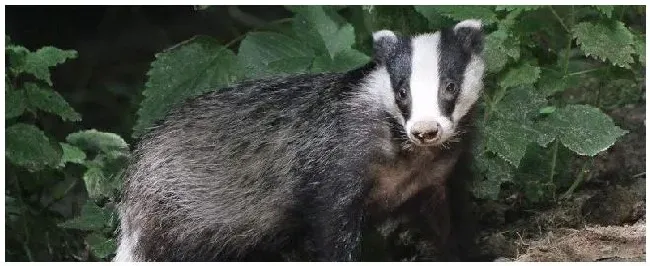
(430,81)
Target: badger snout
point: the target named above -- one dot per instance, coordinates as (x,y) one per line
(425,132)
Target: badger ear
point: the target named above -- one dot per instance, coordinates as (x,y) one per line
(384,42)
(470,35)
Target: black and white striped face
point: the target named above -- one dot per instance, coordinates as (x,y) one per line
(435,78)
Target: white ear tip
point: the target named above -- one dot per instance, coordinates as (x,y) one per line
(469,23)
(382,33)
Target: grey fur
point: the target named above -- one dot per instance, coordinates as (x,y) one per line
(294,166)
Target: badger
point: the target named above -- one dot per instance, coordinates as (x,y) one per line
(298,167)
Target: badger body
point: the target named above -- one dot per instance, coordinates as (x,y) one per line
(295,168)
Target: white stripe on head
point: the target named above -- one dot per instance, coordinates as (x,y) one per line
(471,88)
(425,82)
(377,89)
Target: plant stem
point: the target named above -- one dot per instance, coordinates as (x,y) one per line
(585,71)
(553,164)
(577,181)
(568,45)
(559,19)
(25,243)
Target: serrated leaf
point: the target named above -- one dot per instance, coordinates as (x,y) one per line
(333,36)
(605,41)
(606,10)
(50,101)
(38,63)
(292,65)
(16,55)
(189,69)
(71,154)
(499,46)
(409,23)
(27,146)
(581,128)
(495,171)
(92,218)
(96,183)
(639,47)
(101,246)
(264,54)
(523,74)
(93,140)
(343,61)
(511,128)
(458,13)
(15,103)
(103,175)
(552,82)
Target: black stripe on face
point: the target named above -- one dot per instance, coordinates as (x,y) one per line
(452,62)
(398,65)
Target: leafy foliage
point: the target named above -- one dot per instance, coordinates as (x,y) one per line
(28,147)
(194,67)
(606,41)
(51,164)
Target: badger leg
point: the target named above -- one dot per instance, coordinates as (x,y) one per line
(448,219)
(336,231)
(335,213)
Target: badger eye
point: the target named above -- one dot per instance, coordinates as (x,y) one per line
(451,87)
(401,93)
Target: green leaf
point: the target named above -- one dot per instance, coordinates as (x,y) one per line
(547,110)
(50,101)
(495,171)
(38,63)
(189,69)
(639,47)
(71,154)
(606,10)
(458,13)
(92,218)
(264,54)
(436,19)
(93,140)
(517,7)
(103,175)
(335,37)
(97,184)
(499,46)
(15,102)
(511,128)
(552,81)
(27,146)
(344,61)
(101,246)
(523,74)
(581,128)
(16,55)
(606,41)
(534,173)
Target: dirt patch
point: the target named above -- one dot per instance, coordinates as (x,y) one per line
(595,243)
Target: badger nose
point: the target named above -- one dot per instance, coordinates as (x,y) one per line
(425,131)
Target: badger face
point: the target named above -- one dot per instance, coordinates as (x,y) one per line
(434,78)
